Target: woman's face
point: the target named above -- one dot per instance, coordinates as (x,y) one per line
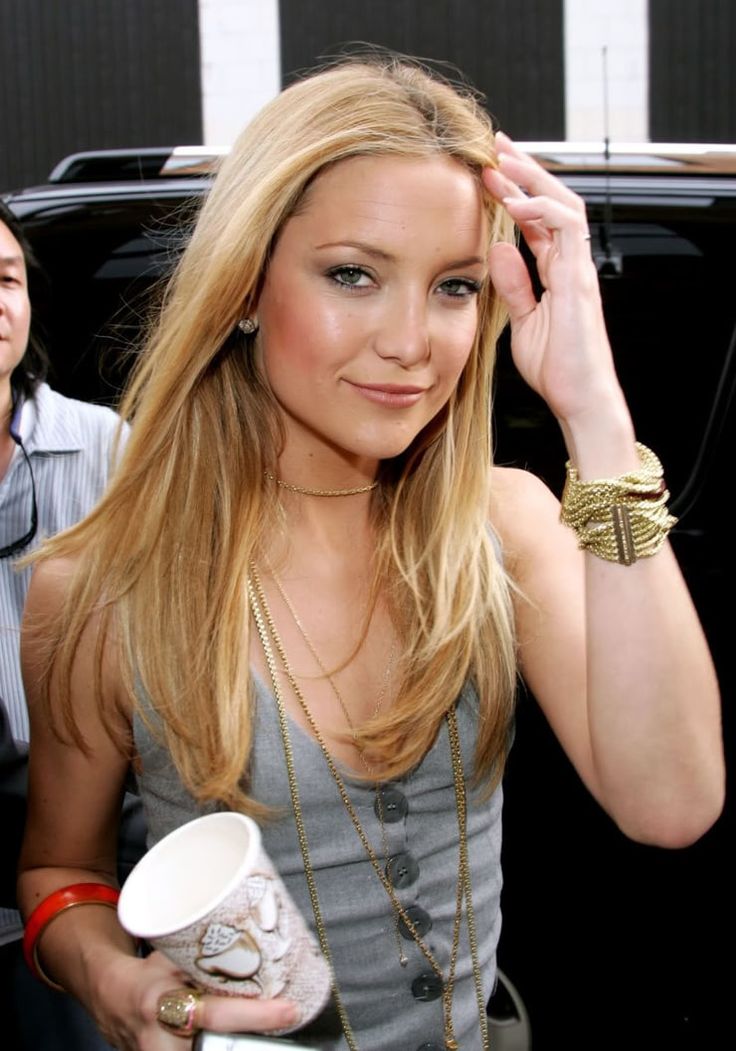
(15,306)
(369,307)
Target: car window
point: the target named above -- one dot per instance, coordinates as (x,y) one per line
(665,283)
(670,314)
(103,260)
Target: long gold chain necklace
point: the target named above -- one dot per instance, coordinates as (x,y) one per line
(330,678)
(266,627)
(403,959)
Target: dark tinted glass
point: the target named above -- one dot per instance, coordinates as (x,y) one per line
(670,314)
(103,259)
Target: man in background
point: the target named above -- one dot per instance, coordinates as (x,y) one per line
(55,458)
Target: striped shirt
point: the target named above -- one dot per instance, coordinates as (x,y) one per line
(69,444)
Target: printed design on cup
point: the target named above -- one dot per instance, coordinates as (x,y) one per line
(237,932)
(235,951)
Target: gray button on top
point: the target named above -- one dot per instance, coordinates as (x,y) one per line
(426,986)
(420,918)
(402,870)
(391,805)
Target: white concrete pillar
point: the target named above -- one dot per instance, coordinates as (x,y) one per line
(622,27)
(241,63)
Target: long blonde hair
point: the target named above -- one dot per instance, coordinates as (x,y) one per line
(164,557)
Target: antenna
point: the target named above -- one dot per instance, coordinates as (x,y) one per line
(606,125)
(607,260)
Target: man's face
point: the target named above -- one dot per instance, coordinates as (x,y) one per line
(15,306)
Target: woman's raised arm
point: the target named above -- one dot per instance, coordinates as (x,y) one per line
(613,652)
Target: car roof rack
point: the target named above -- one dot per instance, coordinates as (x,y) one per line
(666,158)
(137,165)
(574,157)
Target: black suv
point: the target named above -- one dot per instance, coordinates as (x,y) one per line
(611,944)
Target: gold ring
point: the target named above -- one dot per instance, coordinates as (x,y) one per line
(177,1011)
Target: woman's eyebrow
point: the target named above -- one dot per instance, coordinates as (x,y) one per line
(379,253)
(362,246)
(471,260)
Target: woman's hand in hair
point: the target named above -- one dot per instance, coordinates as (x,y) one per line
(559,341)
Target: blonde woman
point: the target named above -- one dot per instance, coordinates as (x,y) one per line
(309,483)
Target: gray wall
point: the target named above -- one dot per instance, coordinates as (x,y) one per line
(692,78)
(91,74)
(512,50)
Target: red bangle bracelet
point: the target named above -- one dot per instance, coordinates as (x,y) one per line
(57,902)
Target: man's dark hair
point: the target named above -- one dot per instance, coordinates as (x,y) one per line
(34,365)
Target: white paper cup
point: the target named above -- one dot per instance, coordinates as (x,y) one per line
(208,896)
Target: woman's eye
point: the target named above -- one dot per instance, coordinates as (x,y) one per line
(350,276)
(458,287)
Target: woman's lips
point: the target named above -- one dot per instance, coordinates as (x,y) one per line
(393,395)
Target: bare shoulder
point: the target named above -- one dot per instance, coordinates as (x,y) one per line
(45,617)
(49,584)
(523,511)
(511,485)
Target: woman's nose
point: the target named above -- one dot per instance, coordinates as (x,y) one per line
(404,330)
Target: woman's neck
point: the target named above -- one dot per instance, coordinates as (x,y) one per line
(328,528)
(313,468)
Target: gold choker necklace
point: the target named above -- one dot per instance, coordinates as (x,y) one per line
(305,491)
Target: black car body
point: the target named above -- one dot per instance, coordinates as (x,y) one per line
(611,944)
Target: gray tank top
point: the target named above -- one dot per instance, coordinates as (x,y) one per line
(390,1007)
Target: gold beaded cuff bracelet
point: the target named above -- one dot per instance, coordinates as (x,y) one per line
(619,519)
